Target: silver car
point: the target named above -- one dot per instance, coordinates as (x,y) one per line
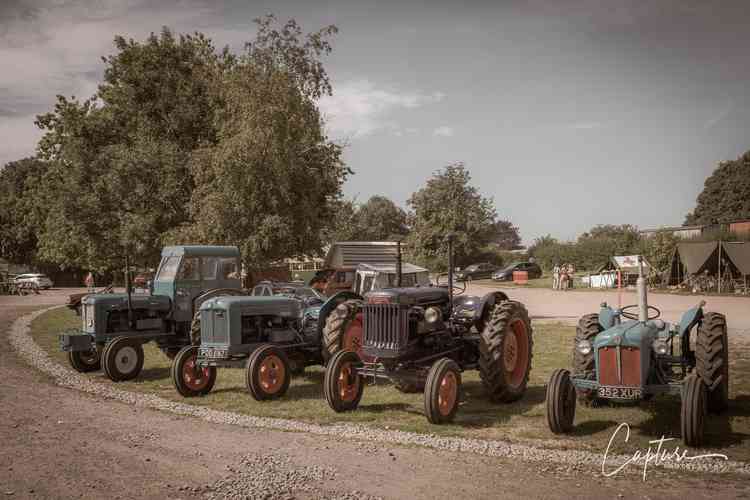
(40,280)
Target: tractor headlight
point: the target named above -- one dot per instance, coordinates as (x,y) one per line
(584,347)
(432,314)
(660,347)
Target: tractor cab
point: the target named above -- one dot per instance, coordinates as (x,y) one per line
(185,272)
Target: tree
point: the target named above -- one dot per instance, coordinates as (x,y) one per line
(725,195)
(270,182)
(18,185)
(381,220)
(449,204)
(505,236)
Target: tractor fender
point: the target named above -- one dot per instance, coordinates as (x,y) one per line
(331,304)
(214,292)
(487,301)
(690,318)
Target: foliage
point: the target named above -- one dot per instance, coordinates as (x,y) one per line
(379,219)
(18,185)
(658,249)
(505,235)
(187,144)
(725,195)
(449,204)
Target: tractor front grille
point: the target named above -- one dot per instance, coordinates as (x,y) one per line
(386,328)
(629,372)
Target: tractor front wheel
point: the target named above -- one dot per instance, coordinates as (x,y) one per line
(267,373)
(123,359)
(693,414)
(85,361)
(505,352)
(442,391)
(712,360)
(189,379)
(561,402)
(342,385)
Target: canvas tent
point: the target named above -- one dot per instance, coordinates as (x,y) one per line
(625,265)
(709,256)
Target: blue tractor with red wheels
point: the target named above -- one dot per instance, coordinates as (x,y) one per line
(629,355)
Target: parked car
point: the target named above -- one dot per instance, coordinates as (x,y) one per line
(40,280)
(142,280)
(476,272)
(506,274)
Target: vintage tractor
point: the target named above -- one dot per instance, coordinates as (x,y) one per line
(115,326)
(272,337)
(634,360)
(413,337)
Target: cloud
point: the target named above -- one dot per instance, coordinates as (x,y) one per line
(717,117)
(585,125)
(359,107)
(444,131)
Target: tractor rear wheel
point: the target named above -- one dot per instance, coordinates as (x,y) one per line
(561,402)
(712,360)
(123,359)
(267,373)
(342,385)
(85,361)
(189,379)
(505,352)
(343,330)
(442,391)
(587,329)
(693,414)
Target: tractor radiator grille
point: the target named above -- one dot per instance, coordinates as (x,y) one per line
(629,373)
(386,330)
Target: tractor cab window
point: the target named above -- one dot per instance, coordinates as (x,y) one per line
(228,269)
(208,267)
(358,284)
(189,269)
(168,268)
(367,284)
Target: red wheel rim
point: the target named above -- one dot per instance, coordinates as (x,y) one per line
(195,377)
(447,393)
(271,374)
(516,352)
(348,383)
(353,336)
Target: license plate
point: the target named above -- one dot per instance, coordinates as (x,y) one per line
(620,392)
(212,353)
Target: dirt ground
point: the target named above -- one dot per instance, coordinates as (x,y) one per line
(60,443)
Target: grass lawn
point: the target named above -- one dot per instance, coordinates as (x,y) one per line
(523,421)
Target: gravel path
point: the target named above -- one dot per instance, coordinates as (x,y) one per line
(570,461)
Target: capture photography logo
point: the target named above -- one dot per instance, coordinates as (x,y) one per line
(656,454)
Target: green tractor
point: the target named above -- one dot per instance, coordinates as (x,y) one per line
(635,360)
(115,326)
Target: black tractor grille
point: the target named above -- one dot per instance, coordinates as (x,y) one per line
(386,330)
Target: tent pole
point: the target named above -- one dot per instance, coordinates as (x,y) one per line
(719,285)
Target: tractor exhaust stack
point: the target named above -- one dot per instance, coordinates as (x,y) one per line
(398,264)
(642,293)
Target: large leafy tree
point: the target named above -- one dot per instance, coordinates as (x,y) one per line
(448,203)
(184,143)
(378,219)
(725,195)
(19,181)
(505,236)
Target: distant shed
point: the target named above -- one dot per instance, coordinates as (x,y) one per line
(625,265)
(353,253)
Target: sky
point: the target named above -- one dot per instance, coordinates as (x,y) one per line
(568,113)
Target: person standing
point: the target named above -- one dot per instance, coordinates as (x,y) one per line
(556,277)
(571,271)
(89,282)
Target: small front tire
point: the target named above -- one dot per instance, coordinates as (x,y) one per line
(342,385)
(189,379)
(561,402)
(267,373)
(693,414)
(123,359)
(442,391)
(85,361)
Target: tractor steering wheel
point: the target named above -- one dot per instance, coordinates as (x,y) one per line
(459,287)
(631,315)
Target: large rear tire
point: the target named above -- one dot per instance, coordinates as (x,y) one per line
(189,379)
(343,330)
(123,359)
(442,391)
(85,361)
(505,352)
(342,386)
(712,360)
(267,373)
(561,402)
(587,329)
(693,414)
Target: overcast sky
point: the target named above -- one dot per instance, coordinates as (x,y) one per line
(569,113)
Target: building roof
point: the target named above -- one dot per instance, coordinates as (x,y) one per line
(406,268)
(672,228)
(201,250)
(353,253)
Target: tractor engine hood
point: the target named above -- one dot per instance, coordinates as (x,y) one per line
(119,301)
(629,333)
(414,296)
(256,306)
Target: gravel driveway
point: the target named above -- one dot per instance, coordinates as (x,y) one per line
(63,443)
